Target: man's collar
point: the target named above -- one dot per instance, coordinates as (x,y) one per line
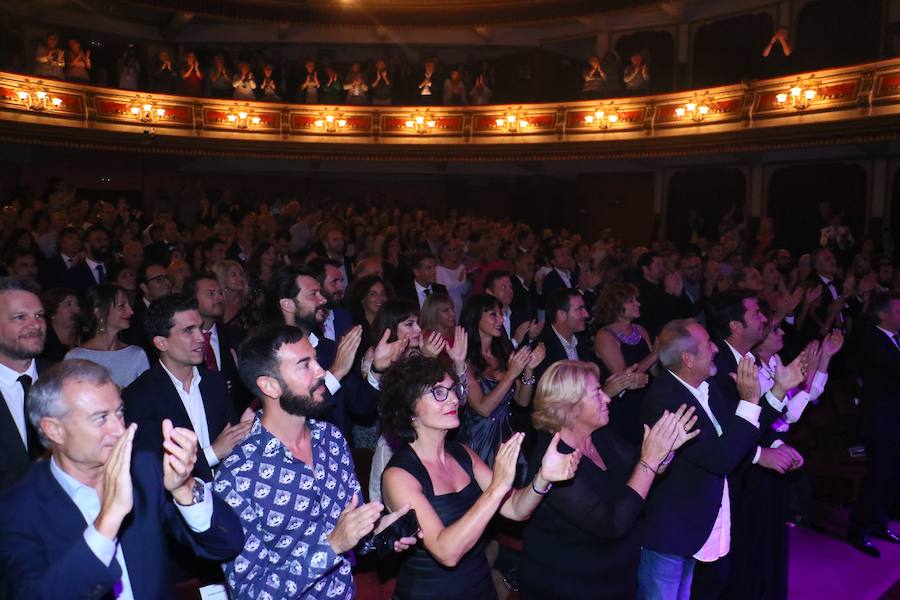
(313,339)
(9,377)
(572,343)
(421,288)
(737,355)
(195,376)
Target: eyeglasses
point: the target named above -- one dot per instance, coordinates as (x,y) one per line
(440,392)
(157,278)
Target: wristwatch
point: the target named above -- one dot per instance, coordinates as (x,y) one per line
(198,493)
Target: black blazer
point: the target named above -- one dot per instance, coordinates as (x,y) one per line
(658,307)
(80,278)
(52,272)
(725,365)
(683,504)
(525,302)
(44,555)
(556,352)
(408,291)
(230,338)
(879,364)
(152,397)
(14,459)
(553,283)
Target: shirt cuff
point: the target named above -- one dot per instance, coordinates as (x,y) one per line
(775,402)
(372,381)
(776,444)
(332,383)
(211,457)
(198,516)
(102,547)
(757,455)
(749,412)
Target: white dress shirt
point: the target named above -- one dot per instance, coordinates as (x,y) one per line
(331,382)
(565,276)
(718,543)
(93,265)
(214,343)
(193,404)
(890,336)
(15,396)
(571,348)
(507,324)
(198,518)
(328,327)
(796,399)
(420,292)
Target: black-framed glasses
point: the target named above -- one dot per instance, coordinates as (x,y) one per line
(440,392)
(157,278)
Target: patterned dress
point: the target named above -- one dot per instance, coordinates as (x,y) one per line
(287,510)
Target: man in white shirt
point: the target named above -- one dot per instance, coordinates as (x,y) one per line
(22,335)
(688,516)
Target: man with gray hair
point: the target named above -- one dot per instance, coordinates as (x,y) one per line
(93,521)
(22,335)
(688,515)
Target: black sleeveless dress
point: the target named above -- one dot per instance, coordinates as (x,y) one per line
(625,411)
(421,576)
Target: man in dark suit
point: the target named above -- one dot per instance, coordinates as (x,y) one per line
(220,340)
(518,326)
(94,269)
(738,326)
(93,521)
(154,283)
(687,516)
(424,268)
(526,300)
(838,304)
(175,388)
(54,270)
(294,297)
(561,275)
(662,296)
(22,335)
(333,285)
(879,365)
(563,337)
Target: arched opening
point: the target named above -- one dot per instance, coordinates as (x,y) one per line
(699,199)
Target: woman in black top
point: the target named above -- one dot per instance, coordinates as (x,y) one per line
(623,346)
(61,310)
(584,540)
(454,494)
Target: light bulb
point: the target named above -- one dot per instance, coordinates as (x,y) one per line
(613,118)
(232,118)
(242,115)
(255,120)
(431,123)
(781,98)
(499,121)
(409,123)
(160,112)
(810,94)
(679,112)
(41,95)
(319,123)
(147,107)
(795,91)
(703,109)
(420,119)
(22,94)
(329,118)
(510,118)
(691,106)
(523,123)
(342,122)
(589,119)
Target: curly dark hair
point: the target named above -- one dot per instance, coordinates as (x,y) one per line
(401,386)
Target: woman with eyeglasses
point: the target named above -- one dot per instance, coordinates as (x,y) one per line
(453,492)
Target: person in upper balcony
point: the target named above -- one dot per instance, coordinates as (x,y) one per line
(268,87)
(50,59)
(220,78)
(191,76)
(594,79)
(455,90)
(637,74)
(163,78)
(381,85)
(78,63)
(777,53)
(309,89)
(243,83)
(356,87)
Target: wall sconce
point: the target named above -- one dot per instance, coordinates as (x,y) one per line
(800,96)
(421,123)
(602,119)
(512,122)
(145,111)
(243,119)
(694,110)
(37,98)
(330,122)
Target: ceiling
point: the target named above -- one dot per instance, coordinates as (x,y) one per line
(390,12)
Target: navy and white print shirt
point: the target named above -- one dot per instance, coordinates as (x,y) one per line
(287,510)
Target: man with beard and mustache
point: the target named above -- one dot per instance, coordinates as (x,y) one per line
(331,279)
(22,334)
(294,297)
(94,269)
(292,480)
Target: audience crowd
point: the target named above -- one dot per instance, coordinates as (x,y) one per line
(299,391)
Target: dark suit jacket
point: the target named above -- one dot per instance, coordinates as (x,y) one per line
(14,461)
(152,397)
(553,283)
(52,272)
(658,307)
(725,365)
(80,278)
(356,401)
(42,548)
(556,352)
(408,291)
(525,302)
(230,337)
(343,322)
(879,364)
(682,506)
(136,334)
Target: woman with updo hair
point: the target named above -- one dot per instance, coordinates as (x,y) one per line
(623,348)
(61,311)
(106,313)
(454,493)
(584,541)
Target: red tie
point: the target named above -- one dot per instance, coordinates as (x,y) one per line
(209,357)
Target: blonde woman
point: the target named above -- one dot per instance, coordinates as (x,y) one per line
(438,315)
(584,541)
(238,309)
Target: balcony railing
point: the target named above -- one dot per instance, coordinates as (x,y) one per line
(848,99)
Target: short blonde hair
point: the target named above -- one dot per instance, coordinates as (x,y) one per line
(221,269)
(557,400)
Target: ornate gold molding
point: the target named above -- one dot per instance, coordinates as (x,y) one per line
(860,102)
